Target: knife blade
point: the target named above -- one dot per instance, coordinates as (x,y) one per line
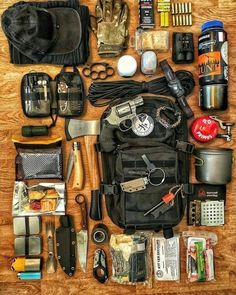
(70,165)
(82,235)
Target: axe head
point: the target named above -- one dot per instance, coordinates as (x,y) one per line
(75,128)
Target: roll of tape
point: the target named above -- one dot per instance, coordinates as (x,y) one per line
(127,66)
(100,234)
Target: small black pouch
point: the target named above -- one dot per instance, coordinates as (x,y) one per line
(138,266)
(70,93)
(37,160)
(182,48)
(41,96)
(36,95)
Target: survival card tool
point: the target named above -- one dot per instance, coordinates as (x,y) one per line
(75,161)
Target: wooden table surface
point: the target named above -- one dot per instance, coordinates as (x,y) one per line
(11,120)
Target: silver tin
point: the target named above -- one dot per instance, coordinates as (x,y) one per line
(23,226)
(214,165)
(31,246)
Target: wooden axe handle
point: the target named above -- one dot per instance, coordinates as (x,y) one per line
(92,156)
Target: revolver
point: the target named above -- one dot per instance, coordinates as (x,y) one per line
(118,114)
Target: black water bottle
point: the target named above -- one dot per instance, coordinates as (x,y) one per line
(213,66)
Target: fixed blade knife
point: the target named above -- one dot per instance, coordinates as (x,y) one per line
(82,235)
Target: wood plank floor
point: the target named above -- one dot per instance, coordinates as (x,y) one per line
(11,120)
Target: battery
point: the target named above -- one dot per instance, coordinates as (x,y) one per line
(146,14)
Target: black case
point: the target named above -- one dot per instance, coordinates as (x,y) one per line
(41,96)
(182,48)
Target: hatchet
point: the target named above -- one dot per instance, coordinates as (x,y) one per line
(89,130)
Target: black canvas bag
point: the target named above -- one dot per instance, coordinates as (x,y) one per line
(165,148)
(52,32)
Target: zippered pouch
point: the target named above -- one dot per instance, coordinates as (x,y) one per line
(41,96)
(39,159)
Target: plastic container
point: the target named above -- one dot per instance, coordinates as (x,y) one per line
(151,40)
(213,66)
(149,63)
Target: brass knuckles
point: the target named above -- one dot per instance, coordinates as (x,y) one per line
(89,71)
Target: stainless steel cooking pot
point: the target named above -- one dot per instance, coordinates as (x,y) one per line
(214,165)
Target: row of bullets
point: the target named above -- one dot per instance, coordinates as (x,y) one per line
(181,20)
(179,8)
(181,14)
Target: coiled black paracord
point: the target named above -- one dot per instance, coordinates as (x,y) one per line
(103,93)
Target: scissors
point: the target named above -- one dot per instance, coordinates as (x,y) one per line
(90,71)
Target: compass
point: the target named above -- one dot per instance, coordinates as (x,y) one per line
(142,125)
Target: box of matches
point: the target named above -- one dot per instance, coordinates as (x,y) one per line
(146,14)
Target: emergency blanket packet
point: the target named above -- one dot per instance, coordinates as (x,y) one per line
(39,199)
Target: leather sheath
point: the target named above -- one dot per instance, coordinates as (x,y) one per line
(66,245)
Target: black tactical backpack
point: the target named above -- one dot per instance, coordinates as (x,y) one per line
(166,147)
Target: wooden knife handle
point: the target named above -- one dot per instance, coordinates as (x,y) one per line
(80,199)
(92,156)
(78,170)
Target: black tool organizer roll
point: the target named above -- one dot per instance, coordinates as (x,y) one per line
(42,97)
(127,209)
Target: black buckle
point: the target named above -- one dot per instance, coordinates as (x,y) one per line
(185,146)
(109,189)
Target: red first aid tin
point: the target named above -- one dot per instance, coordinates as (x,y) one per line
(204,129)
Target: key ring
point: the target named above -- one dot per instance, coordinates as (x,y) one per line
(153,171)
(80,199)
(90,71)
